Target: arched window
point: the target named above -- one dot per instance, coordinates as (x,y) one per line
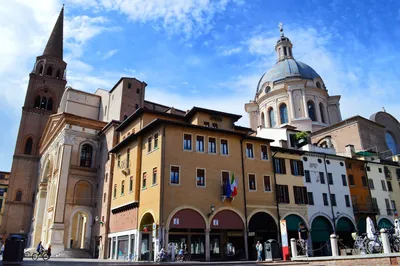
(271,115)
(311,110)
(43,103)
(40,70)
(318,85)
(37,102)
(321,110)
(391,143)
(86,156)
(18,196)
(49,71)
(262,120)
(83,193)
(50,104)
(268,89)
(28,146)
(283,113)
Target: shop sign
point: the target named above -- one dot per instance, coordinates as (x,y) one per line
(176,221)
(252,233)
(235,233)
(215,222)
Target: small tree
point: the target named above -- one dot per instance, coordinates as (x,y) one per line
(301,135)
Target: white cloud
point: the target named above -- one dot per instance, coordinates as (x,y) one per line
(193,17)
(109,54)
(227,51)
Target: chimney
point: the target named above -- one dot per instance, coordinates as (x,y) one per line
(350,151)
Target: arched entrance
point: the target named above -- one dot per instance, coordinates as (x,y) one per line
(321,229)
(79,230)
(344,228)
(146,244)
(292,225)
(262,227)
(384,223)
(227,236)
(187,230)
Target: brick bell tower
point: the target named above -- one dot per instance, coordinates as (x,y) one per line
(45,88)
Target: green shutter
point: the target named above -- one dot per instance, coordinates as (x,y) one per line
(292,222)
(321,229)
(384,223)
(345,225)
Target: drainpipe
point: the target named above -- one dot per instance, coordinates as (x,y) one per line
(162,175)
(329,196)
(370,194)
(276,198)
(246,247)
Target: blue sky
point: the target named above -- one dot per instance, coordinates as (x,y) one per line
(203,53)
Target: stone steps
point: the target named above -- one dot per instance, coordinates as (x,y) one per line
(74,253)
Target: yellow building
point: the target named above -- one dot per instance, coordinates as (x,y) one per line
(173,172)
(4,179)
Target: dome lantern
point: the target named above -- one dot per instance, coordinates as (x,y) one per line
(283,47)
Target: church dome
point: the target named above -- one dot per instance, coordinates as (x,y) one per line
(287,68)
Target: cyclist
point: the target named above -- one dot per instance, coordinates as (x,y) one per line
(303,236)
(39,248)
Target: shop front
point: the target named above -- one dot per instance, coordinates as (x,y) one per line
(147,247)
(321,229)
(262,227)
(121,244)
(187,229)
(227,240)
(344,228)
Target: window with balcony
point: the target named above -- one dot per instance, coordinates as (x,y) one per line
(296,167)
(264,152)
(279,164)
(249,150)
(282,193)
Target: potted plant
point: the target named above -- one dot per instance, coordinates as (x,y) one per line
(301,138)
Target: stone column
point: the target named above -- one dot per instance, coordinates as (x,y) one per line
(303,94)
(317,111)
(207,245)
(39,214)
(277,122)
(291,103)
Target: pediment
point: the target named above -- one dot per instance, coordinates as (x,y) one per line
(53,126)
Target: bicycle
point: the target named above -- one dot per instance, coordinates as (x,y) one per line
(301,247)
(359,243)
(131,257)
(42,254)
(393,239)
(374,245)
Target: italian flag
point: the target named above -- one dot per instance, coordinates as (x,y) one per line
(234,185)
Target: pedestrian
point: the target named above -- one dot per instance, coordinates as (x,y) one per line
(303,236)
(259,248)
(39,247)
(49,251)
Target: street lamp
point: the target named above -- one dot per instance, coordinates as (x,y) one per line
(212,210)
(97,220)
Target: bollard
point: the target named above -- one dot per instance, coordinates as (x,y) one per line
(385,241)
(293,247)
(334,246)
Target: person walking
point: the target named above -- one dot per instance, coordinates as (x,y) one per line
(49,251)
(303,236)
(259,248)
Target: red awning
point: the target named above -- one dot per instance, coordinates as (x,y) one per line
(187,218)
(227,219)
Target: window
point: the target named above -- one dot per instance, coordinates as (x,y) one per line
(174,176)
(137,90)
(200,143)
(344,181)
(351,180)
(398,173)
(122,187)
(49,71)
(262,120)
(267,183)
(86,155)
(249,150)
(283,194)
(214,125)
(149,144)
(311,110)
(375,203)
(362,167)
(271,116)
(333,200)
(144,180)
(18,196)
(349,165)
(200,177)
(387,172)
(300,195)
(225,178)
(2,176)
(154,180)
(137,106)
(383,182)
(207,124)
(368,168)
(283,114)
(224,147)
(325,198)
(37,102)
(28,146)
(307,176)
(2,191)
(279,165)
(119,160)
(310,198)
(389,186)
(330,179)
(292,138)
(387,202)
(129,85)
(296,166)
(394,205)
(106,178)
(391,142)
(371,183)
(347,200)
(364,181)
(131,184)
(128,157)
(156,141)
(321,110)
(187,142)
(264,152)
(49,104)
(115,191)
(212,145)
(252,182)
(322,177)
